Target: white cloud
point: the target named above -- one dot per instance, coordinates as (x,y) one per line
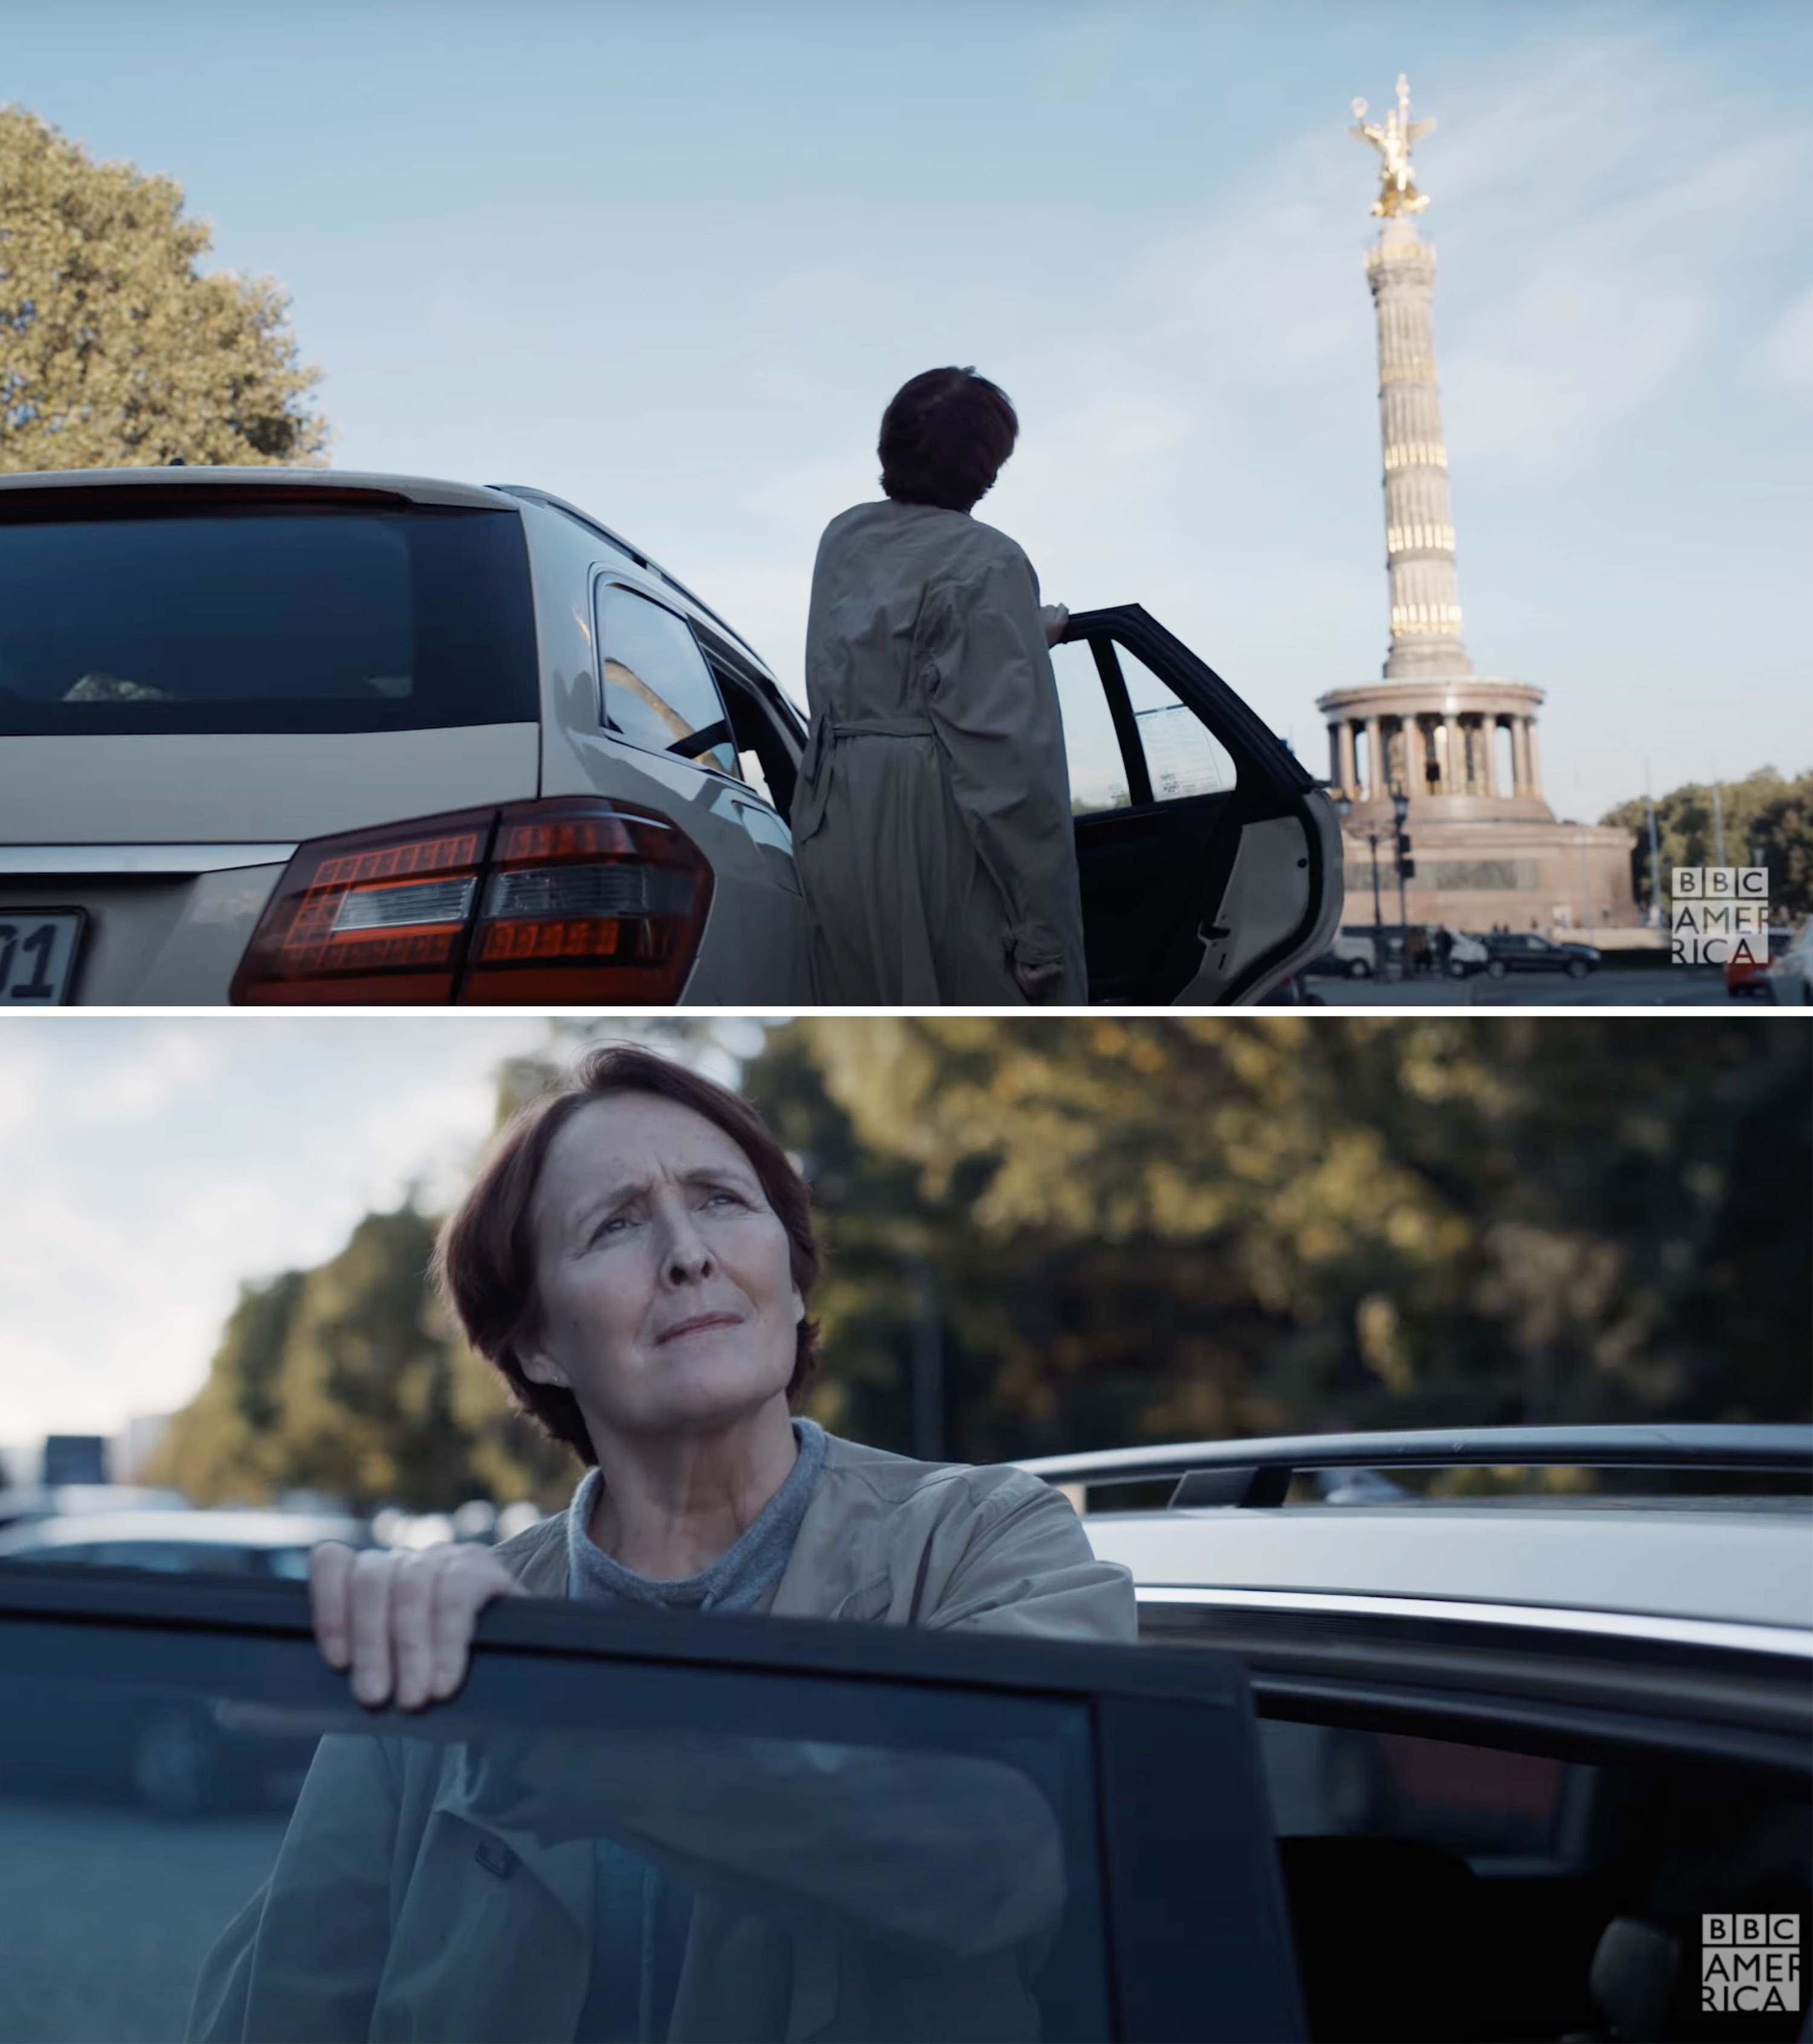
(217,1150)
(22,1082)
(1783,360)
(1587,253)
(127,1079)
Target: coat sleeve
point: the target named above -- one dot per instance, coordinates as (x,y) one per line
(303,1959)
(1029,1570)
(993,700)
(954,1854)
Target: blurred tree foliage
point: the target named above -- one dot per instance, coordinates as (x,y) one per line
(349,1379)
(1179,1228)
(1766,820)
(116,350)
(1047,1233)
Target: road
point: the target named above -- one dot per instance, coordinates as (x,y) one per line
(1651,986)
(106,1914)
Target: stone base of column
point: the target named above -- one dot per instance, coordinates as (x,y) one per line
(1558,878)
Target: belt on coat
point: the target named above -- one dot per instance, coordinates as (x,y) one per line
(815,777)
(881,727)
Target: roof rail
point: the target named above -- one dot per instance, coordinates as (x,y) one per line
(1258,1472)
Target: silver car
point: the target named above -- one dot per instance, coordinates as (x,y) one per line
(261,1544)
(301,736)
(1526,1752)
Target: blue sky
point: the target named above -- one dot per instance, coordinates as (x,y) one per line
(671,261)
(169,1159)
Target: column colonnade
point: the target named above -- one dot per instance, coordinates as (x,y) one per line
(1463,745)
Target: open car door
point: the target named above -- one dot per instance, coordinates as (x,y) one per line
(827,1830)
(1210,861)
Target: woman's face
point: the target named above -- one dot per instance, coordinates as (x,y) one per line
(665,1295)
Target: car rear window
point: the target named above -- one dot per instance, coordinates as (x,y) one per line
(245,619)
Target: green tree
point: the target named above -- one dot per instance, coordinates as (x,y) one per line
(1114,1229)
(348,1378)
(1149,1228)
(1764,819)
(117,350)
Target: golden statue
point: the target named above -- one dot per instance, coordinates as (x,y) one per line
(1397,187)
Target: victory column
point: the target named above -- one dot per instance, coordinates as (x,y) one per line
(1487,848)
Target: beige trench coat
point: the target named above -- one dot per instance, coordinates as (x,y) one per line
(412,1898)
(931,822)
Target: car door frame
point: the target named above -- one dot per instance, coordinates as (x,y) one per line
(1175,1808)
(761,815)
(1565,1681)
(1592,1688)
(760,695)
(1269,783)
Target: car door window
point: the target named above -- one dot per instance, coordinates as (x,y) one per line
(1496,1808)
(622,1826)
(1440,1886)
(1183,756)
(288,1563)
(658,689)
(1092,745)
(172,1558)
(1173,753)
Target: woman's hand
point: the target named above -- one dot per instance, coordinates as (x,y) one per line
(1038,983)
(1054,617)
(402,1620)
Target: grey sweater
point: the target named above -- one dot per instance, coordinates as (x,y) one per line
(639,1935)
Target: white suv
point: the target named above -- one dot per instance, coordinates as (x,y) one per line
(1519,1747)
(302,736)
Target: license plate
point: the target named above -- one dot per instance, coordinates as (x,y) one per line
(37,956)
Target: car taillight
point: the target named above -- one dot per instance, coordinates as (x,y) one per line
(575,900)
(373,915)
(587,901)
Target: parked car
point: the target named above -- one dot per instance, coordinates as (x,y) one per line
(1356,952)
(1515,1744)
(1049,1836)
(1408,1764)
(1467,954)
(177,1754)
(1523,950)
(1746,977)
(1351,955)
(1789,979)
(259,1544)
(300,736)
(21,1502)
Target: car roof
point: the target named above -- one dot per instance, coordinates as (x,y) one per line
(1752,1565)
(350,483)
(528,494)
(1735,1557)
(230,1528)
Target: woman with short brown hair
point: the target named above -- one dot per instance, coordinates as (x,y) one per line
(931,819)
(636,1257)
(484,1262)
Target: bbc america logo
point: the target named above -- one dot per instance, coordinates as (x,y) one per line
(1719,915)
(1749,1963)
